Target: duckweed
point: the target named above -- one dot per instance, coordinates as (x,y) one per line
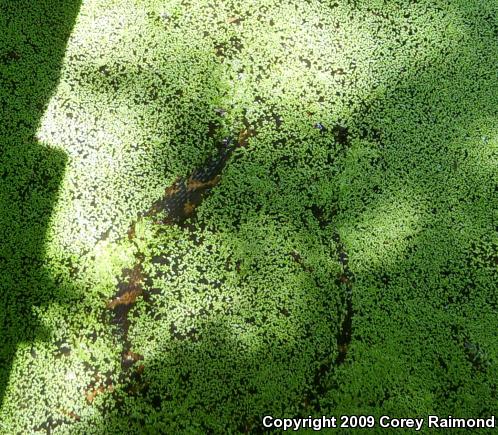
(343,264)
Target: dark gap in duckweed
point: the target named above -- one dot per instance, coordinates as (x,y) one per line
(9,57)
(305,61)
(104,70)
(346,280)
(213,127)
(227,49)
(299,260)
(63,349)
(341,134)
(175,207)
(344,335)
(49,425)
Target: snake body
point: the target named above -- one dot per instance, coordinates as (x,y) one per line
(185,194)
(177,204)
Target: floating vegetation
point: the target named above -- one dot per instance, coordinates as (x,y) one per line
(336,257)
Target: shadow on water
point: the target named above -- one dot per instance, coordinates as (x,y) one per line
(33,38)
(419,222)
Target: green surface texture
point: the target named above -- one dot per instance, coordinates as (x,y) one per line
(104,103)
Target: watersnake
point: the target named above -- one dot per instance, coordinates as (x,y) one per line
(177,204)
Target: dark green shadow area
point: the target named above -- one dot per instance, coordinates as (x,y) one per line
(33,38)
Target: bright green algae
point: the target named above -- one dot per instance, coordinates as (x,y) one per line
(101,117)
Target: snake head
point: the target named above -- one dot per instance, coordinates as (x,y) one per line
(244,136)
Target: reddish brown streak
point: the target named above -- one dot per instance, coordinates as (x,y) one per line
(94,392)
(129,292)
(179,201)
(193,185)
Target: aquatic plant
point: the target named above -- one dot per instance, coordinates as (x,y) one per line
(344,261)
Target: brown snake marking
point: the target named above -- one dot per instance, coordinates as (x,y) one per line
(179,203)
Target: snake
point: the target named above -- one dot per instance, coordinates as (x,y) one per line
(177,204)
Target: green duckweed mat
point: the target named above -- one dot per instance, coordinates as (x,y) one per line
(344,270)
